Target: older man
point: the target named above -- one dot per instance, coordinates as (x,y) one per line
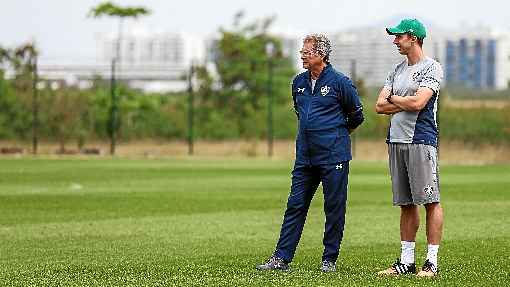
(410,96)
(328,109)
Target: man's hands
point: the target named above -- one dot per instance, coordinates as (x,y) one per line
(385,103)
(413,103)
(390,104)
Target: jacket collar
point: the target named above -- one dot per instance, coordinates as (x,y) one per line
(323,72)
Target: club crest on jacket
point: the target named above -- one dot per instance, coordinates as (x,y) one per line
(325,90)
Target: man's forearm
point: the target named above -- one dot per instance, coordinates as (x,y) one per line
(385,107)
(384,104)
(413,103)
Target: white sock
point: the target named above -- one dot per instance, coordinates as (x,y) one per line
(432,253)
(407,252)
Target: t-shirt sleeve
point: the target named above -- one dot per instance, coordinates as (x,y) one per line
(388,84)
(433,78)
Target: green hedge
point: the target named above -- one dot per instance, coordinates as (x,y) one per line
(68,115)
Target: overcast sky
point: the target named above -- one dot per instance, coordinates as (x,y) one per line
(62,30)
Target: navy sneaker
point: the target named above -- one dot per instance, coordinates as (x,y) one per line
(274,263)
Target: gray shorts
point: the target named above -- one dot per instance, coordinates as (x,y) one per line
(414,173)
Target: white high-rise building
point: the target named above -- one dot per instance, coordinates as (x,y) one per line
(146,48)
(150,61)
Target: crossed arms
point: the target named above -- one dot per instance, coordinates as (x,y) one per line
(390,104)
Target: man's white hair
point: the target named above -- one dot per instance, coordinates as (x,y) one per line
(321,44)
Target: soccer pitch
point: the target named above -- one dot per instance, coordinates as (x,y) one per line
(209,222)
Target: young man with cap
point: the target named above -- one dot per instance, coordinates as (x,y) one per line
(328,109)
(410,95)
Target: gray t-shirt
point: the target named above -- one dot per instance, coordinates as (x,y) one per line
(405,80)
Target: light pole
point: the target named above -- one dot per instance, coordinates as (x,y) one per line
(113,109)
(35,106)
(191,100)
(270,53)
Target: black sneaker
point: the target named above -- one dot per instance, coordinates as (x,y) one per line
(328,266)
(274,263)
(399,268)
(428,270)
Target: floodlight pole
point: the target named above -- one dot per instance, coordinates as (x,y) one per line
(270,52)
(113,108)
(191,100)
(35,106)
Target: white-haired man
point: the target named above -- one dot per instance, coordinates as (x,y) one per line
(328,109)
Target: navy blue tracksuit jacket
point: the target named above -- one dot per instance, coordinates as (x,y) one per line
(323,151)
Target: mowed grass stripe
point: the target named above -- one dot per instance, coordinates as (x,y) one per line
(357,267)
(194,222)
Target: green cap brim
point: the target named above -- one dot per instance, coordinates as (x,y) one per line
(395,31)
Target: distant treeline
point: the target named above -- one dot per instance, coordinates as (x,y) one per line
(72,116)
(232,104)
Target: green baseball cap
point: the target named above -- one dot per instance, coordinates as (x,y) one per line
(411,26)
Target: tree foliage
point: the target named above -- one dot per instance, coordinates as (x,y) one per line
(243,65)
(112,10)
(16,94)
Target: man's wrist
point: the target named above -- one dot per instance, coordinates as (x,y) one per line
(388,98)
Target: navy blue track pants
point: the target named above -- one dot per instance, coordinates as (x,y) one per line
(305,180)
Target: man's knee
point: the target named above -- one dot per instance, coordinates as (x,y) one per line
(434,206)
(333,205)
(295,204)
(434,211)
(409,209)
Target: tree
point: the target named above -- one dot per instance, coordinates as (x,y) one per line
(10,108)
(65,110)
(242,65)
(18,94)
(111,10)
(5,58)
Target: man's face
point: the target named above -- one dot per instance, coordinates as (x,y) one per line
(309,57)
(404,43)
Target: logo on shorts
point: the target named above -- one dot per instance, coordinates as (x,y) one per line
(325,90)
(429,191)
(300,90)
(429,156)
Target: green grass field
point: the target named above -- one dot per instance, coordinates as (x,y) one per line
(198,222)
